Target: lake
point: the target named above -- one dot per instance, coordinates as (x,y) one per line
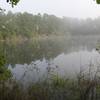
(45,47)
(31,60)
(64,65)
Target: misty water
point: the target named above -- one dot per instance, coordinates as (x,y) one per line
(46,47)
(30,61)
(65,65)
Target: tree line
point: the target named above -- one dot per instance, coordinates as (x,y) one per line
(29,25)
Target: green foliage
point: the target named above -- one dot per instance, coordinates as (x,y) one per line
(58,89)
(98,1)
(28,25)
(4,72)
(13,2)
(59,82)
(5,75)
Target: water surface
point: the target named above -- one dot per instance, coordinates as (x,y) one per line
(66,65)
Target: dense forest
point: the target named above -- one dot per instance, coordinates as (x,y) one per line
(29,25)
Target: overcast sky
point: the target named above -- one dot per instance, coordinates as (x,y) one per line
(69,8)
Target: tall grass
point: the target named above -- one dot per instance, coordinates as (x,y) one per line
(54,87)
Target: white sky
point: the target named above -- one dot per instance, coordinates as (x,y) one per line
(69,8)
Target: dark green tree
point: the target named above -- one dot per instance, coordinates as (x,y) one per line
(98,1)
(13,2)
(4,72)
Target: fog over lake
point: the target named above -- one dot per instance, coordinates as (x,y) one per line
(66,56)
(66,65)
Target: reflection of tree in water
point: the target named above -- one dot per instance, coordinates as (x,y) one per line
(28,50)
(47,47)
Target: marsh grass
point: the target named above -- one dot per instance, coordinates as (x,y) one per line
(54,87)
